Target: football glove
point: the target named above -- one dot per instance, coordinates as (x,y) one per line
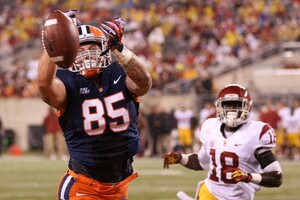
(239,175)
(115,30)
(171,158)
(72,15)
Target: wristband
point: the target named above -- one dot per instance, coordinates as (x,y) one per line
(125,56)
(184,159)
(256,178)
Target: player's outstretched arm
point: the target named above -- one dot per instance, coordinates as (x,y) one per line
(138,78)
(52,90)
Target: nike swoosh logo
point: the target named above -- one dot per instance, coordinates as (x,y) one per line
(80,194)
(117,80)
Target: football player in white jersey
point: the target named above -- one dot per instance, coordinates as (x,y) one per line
(184,122)
(236,151)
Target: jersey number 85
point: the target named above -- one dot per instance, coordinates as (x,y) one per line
(97,116)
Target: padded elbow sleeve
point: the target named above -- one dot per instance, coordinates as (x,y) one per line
(265,158)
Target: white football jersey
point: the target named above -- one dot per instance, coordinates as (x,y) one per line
(292,124)
(284,113)
(183,118)
(237,151)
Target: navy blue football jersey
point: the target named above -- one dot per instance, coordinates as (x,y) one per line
(99,123)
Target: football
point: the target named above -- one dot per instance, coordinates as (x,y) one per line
(60,39)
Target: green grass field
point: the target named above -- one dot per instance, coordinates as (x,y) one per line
(35,178)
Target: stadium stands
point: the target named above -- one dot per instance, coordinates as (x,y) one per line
(181,40)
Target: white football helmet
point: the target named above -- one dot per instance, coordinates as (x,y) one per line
(90,62)
(233,105)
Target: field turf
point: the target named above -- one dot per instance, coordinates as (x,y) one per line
(32,177)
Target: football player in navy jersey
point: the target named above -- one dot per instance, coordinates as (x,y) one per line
(97,100)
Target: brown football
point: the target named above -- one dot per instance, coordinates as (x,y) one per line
(60,39)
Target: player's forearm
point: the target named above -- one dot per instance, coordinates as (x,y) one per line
(267,179)
(46,72)
(139,80)
(51,89)
(272,175)
(190,161)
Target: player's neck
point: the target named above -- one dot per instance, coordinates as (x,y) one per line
(227,131)
(228,134)
(231,129)
(97,80)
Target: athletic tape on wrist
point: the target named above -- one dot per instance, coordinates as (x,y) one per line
(124,56)
(256,178)
(184,159)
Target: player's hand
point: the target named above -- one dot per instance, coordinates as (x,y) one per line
(171,158)
(72,15)
(115,30)
(239,175)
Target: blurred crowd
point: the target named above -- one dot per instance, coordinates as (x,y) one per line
(180,40)
(160,128)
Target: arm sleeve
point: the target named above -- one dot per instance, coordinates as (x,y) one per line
(274,166)
(264,156)
(203,158)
